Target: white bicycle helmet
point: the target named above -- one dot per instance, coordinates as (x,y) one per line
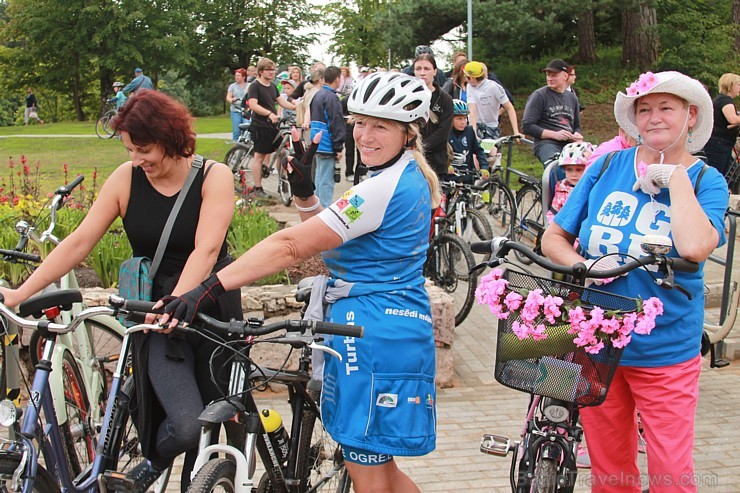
(392,96)
(575,153)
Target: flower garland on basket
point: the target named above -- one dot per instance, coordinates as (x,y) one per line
(543,315)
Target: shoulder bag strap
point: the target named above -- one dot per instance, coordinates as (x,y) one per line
(164,239)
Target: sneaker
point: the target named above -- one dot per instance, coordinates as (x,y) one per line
(583,460)
(259,193)
(350,178)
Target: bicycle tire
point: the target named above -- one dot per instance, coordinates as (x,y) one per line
(476,227)
(78,436)
(545,476)
(234,158)
(102,126)
(320,464)
(43,483)
(215,475)
(448,265)
(530,219)
(283,188)
(502,209)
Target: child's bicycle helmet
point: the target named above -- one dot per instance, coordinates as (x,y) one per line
(392,96)
(460,107)
(118,84)
(575,153)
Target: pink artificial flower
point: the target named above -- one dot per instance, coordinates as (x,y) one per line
(632,89)
(584,339)
(652,307)
(538,333)
(595,348)
(552,307)
(621,341)
(610,325)
(532,306)
(498,310)
(644,325)
(650,80)
(576,316)
(513,300)
(520,330)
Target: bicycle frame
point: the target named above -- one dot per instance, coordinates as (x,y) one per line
(49,436)
(286,479)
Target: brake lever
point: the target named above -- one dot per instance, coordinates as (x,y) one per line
(668,282)
(320,347)
(491,263)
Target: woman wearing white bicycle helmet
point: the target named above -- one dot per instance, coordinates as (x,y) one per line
(379,400)
(656,188)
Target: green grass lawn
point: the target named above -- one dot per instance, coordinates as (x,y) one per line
(84,154)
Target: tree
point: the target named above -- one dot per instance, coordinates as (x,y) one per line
(586,38)
(639,35)
(357,30)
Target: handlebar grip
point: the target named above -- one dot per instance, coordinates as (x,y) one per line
(339,329)
(65,190)
(482,247)
(30,257)
(141,306)
(683,265)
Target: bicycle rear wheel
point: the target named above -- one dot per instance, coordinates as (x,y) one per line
(43,482)
(530,222)
(283,188)
(448,265)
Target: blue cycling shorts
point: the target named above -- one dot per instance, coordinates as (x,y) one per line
(364,457)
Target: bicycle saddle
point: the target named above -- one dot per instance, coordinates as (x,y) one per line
(36,305)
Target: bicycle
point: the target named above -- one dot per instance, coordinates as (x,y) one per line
(449,263)
(732,175)
(86,356)
(239,159)
(103,127)
(116,446)
(306,460)
(560,376)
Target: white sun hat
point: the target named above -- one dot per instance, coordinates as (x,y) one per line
(674,83)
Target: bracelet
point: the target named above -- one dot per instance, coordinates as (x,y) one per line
(310,208)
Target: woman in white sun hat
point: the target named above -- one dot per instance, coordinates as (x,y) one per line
(656,188)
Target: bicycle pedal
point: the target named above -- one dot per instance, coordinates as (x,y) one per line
(496,445)
(117,481)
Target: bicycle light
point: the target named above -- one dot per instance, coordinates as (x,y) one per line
(21,227)
(8,413)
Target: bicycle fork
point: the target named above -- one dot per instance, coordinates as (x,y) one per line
(554,436)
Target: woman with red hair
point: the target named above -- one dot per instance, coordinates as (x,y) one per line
(171,392)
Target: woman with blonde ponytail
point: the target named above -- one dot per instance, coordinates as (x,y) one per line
(379,400)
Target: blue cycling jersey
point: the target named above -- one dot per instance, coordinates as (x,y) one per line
(380,397)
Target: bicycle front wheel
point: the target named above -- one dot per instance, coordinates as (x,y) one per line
(103,127)
(448,265)
(476,227)
(284,191)
(545,476)
(216,475)
(530,222)
(77,432)
(320,461)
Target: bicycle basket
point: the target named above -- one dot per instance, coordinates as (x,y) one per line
(555,367)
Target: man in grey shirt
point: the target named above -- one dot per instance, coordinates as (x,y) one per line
(552,115)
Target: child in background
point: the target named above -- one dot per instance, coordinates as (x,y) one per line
(573,160)
(463,140)
(289,86)
(118,97)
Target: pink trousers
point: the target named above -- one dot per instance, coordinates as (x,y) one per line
(666,397)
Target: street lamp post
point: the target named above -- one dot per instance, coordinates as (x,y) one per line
(470,29)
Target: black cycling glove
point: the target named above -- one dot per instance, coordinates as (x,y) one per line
(299,170)
(184,307)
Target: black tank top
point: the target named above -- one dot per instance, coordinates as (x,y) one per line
(147,214)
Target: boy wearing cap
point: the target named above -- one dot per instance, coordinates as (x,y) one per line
(140,81)
(552,114)
(486,98)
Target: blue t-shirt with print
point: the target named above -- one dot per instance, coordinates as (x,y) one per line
(608,217)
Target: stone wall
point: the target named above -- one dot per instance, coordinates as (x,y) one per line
(279,301)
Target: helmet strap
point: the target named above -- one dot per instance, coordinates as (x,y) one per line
(390,163)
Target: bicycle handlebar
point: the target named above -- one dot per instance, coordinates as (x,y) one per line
(15,255)
(501,246)
(250,327)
